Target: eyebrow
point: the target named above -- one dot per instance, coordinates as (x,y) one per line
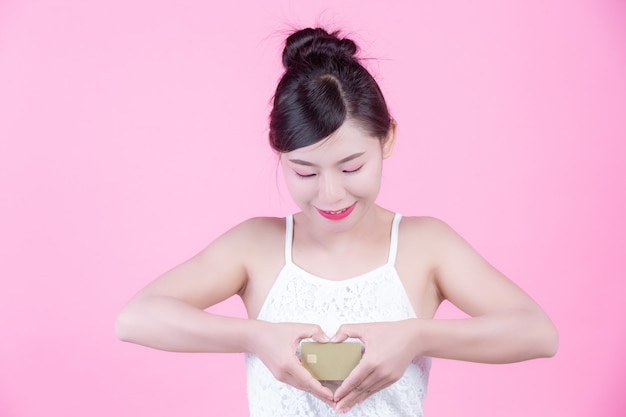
(341,161)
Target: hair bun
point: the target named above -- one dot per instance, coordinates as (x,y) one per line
(303,44)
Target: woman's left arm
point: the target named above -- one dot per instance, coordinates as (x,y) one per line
(504,325)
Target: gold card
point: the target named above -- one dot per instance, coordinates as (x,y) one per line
(330,361)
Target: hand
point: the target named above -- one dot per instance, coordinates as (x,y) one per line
(276,346)
(389,350)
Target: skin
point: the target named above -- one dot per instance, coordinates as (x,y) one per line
(434,263)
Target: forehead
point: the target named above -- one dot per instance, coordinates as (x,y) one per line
(348,139)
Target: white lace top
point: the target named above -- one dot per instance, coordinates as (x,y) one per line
(298,296)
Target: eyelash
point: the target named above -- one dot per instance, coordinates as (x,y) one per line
(353,170)
(303,175)
(344,171)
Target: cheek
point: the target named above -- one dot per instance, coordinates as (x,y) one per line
(370,188)
(298,188)
(367,184)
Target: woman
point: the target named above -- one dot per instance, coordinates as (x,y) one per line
(343,267)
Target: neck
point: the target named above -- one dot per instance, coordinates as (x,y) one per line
(341,239)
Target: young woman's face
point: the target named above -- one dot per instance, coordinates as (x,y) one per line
(336,181)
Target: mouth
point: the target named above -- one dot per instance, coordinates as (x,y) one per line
(337,214)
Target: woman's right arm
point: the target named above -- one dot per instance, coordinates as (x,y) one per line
(169,314)
(166,323)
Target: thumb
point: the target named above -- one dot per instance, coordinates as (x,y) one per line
(344,332)
(319,336)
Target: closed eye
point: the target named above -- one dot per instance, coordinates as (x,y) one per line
(351,170)
(302,175)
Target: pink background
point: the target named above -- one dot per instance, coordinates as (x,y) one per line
(133,133)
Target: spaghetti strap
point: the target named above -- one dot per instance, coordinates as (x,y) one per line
(288,237)
(393,246)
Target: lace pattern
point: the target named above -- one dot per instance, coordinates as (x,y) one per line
(298,296)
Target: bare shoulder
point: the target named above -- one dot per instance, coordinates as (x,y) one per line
(430,241)
(423,223)
(426,230)
(436,238)
(250,243)
(265,224)
(256,231)
(223,267)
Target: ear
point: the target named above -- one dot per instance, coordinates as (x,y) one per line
(389,140)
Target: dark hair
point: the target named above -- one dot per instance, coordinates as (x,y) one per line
(323,86)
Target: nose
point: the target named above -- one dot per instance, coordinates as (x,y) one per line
(331,190)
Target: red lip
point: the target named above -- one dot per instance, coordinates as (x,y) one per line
(337,214)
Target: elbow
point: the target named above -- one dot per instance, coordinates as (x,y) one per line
(121,327)
(545,342)
(539,337)
(124,325)
(551,341)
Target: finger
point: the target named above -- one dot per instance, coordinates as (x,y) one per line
(357,395)
(371,390)
(314,332)
(320,336)
(344,332)
(361,393)
(302,379)
(355,379)
(362,382)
